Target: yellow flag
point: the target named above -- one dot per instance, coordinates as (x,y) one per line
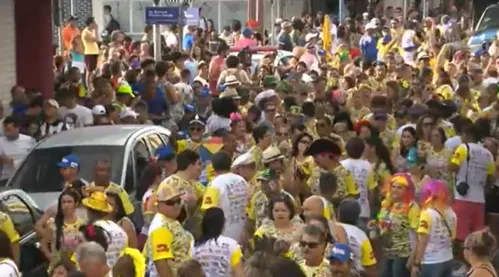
(326,34)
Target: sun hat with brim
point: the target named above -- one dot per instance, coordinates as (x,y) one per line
(230,93)
(323,146)
(166,192)
(231,80)
(340,252)
(97,201)
(271,154)
(244,159)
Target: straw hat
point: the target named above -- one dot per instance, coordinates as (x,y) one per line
(270,154)
(97,201)
(166,192)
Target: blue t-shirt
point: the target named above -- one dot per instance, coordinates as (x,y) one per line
(188,42)
(368,47)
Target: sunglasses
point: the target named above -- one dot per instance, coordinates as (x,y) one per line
(173,202)
(305,142)
(310,245)
(282,134)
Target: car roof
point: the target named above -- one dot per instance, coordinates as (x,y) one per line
(109,135)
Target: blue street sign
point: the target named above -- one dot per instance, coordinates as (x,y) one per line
(161,15)
(191,16)
(169,15)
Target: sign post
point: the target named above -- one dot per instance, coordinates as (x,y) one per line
(157,16)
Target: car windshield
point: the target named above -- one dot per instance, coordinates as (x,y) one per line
(39,172)
(490,20)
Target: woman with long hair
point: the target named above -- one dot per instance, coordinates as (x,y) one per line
(378,155)
(76,53)
(62,236)
(8,265)
(398,221)
(118,215)
(219,255)
(99,208)
(479,248)
(423,134)
(437,158)
(405,156)
(238,128)
(437,226)
(302,165)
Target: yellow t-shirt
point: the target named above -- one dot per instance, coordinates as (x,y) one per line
(167,240)
(346,182)
(91,47)
(8,228)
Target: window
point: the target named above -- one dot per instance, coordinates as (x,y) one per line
(121,12)
(164,138)
(19,212)
(130,178)
(489,19)
(154,142)
(40,173)
(141,158)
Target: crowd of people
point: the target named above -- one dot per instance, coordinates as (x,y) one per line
(371,152)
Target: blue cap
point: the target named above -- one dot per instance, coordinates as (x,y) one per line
(165,152)
(69,161)
(205,92)
(340,252)
(321,52)
(189,108)
(182,134)
(247,33)
(479,52)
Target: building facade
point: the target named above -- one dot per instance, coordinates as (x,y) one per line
(26,46)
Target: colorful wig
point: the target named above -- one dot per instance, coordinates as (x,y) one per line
(409,195)
(435,194)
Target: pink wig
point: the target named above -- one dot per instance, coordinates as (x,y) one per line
(409,195)
(435,193)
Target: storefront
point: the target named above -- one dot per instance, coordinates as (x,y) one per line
(26,46)
(130,13)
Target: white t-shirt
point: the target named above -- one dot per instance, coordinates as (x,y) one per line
(8,269)
(473,172)
(83,116)
(360,245)
(230,192)
(117,240)
(217,257)
(171,40)
(362,173)
(17,150)
(439,247)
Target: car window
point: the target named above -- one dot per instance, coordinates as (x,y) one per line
(39,171)
(154,142)
(489,19)
(141,157)
(130,179)
(164,138)
(19,212)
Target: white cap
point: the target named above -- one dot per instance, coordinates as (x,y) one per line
(423,55)
(244,159)
(278,20)
(128,113)
(98,110)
